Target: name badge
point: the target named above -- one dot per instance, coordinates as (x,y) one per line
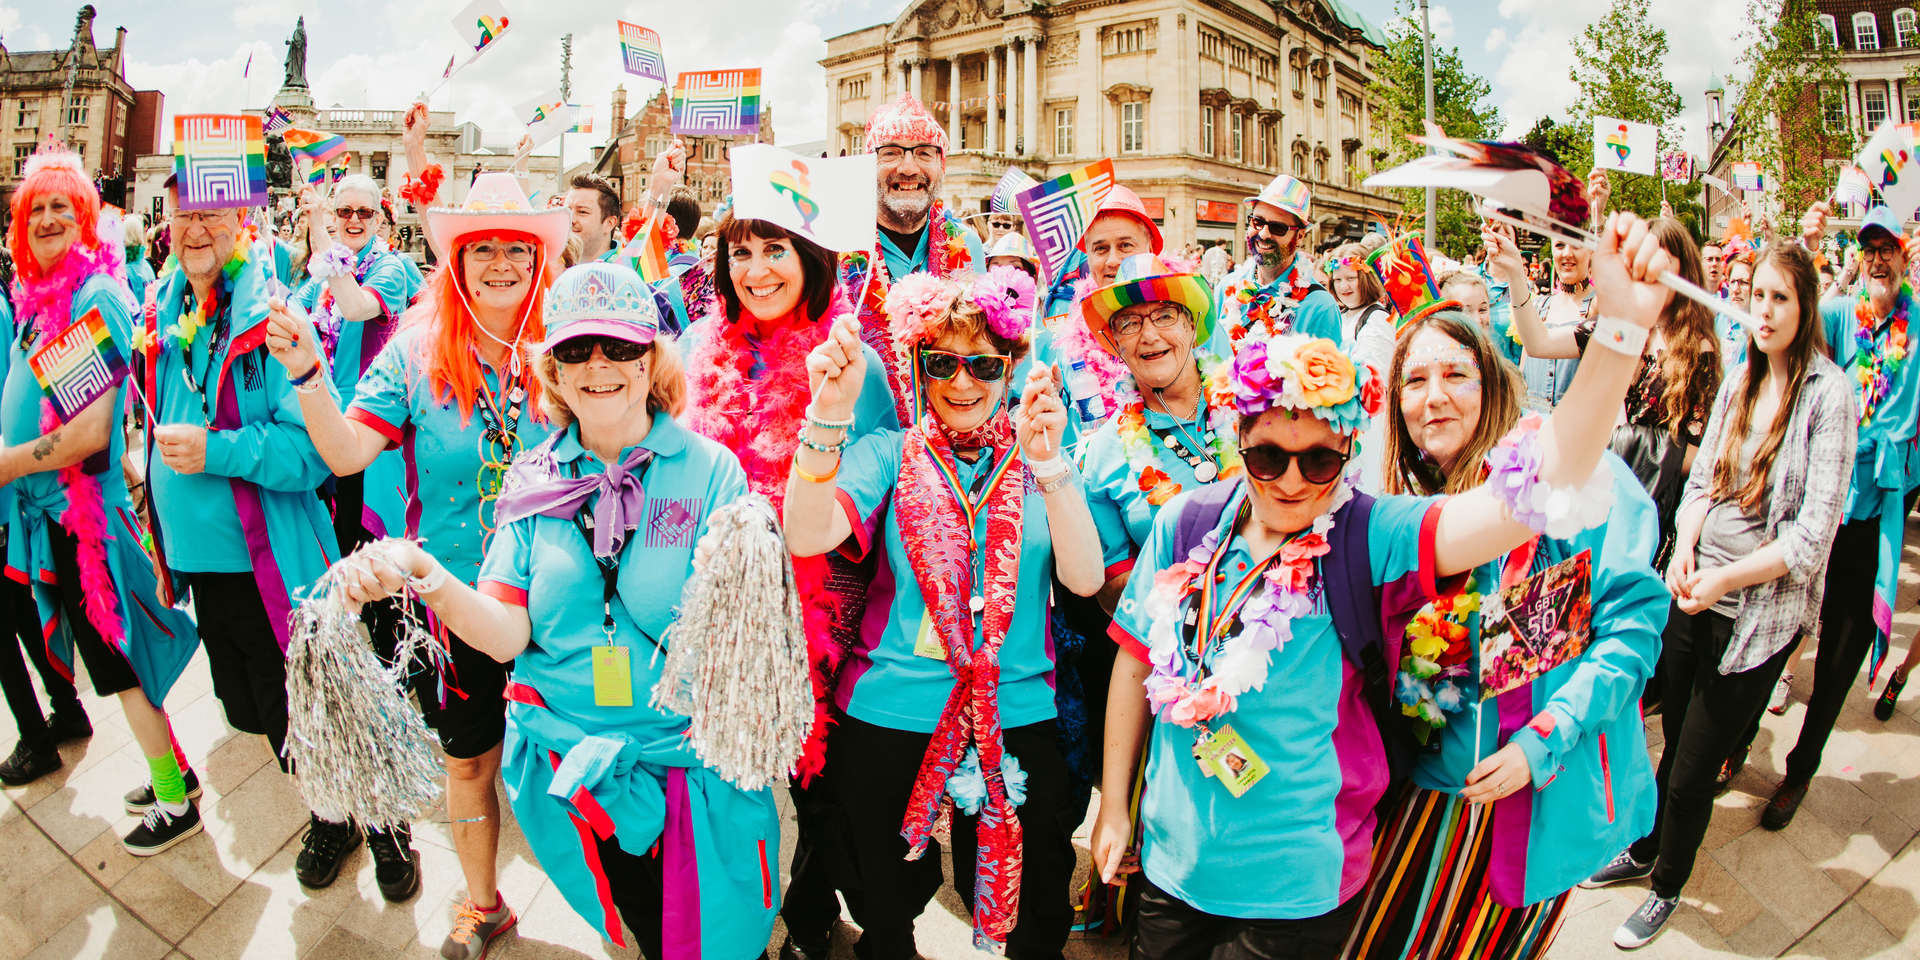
(1226,756)
(927,643)
(612,677)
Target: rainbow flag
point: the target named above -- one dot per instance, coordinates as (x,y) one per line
(582,119)
(312,145)
(640,50)
(648,251)
(219,160)
(79,366)
(1058,211)
(717,102)
(339,165)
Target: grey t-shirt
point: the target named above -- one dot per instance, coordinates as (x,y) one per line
(1728,534)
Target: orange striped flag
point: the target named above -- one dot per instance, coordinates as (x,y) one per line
(648,252)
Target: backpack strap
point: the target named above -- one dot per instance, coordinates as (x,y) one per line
(1199,513)
(1354,601)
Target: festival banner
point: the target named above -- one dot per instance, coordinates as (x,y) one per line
(717,102)
(1010,185)
(481,23)
(1624,145)
(78,366)
(312,145)
(1887,159)
(640,51)
(545,117)
(219,160)
(830,201)
(1747,176)
(1677,167)
(1058,211)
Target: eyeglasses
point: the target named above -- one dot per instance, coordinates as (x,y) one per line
(1165,318)
(1886,251)
(1272,227)
(485,252)
(198,218)
(616,350)
(1267,462)
(984,367)
(924,153)
(349,213)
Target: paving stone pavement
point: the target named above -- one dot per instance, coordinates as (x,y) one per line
(1843,881)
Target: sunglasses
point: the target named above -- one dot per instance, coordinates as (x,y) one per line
(984,367)
(349,213)
(1272,227)
(1266,462)
(616,350)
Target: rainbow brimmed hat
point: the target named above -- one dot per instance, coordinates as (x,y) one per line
(1404,271)
(1145,278)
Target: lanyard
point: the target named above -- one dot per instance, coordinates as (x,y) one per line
(609,566)
(203,385)
(1180,444)
(973,500)
(1210,628)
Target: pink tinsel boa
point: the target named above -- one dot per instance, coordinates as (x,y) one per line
(48,300)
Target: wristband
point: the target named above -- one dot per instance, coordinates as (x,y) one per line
(1621,336)
(311,386)
(337,261)
(434,580)
(1048,469)
(309,375)
(802,473)
(1052,482)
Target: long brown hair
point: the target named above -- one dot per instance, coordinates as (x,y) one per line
(1809,340)
(816,264)
(1370,291)
(1404,468)
(1690,358)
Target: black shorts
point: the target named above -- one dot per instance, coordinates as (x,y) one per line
(467,706)
(106,667)
(249,669)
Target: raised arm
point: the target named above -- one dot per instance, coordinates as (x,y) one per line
(347,447)
(1503,257)
(835,370)
(1040,422)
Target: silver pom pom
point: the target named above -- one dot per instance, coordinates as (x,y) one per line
(736,660)
(359,749)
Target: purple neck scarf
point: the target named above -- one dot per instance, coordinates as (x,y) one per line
(548,494)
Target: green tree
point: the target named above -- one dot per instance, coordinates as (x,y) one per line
(1784,114)
(1620,68)
(1460,107)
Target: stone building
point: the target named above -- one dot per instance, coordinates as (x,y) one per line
(79,95)
(1198,103)
(627,157)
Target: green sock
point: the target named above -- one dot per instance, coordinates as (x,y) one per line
(169,786)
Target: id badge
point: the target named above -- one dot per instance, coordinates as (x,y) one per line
(1232,761)
(927,643)
(612,677)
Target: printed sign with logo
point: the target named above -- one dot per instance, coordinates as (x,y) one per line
(1535,625)
(671,521)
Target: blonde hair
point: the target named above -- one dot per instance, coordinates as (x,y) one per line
(666,384)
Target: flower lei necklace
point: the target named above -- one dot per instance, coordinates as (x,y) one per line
(1436,673)
(1878,360)
(1258,305)
(187,328)
(1143,452)
(1183,687)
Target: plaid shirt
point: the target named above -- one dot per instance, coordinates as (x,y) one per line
(1804,508)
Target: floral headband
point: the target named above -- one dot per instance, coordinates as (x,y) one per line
(1297,372)
(917,303)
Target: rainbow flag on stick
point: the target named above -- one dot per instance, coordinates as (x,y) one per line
(79,366)
(648,251)
(277,120)
(338,165)
(312,145)
(219,160)
(640,51)
(1058,211)
(481,23)
(719,103)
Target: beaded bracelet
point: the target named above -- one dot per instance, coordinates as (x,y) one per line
(1513,478)
(833,448)
(814,421)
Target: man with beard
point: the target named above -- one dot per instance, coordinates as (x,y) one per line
(1274,290)
(1565,307)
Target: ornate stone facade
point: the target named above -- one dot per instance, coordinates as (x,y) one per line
(1198,103)
(79,95)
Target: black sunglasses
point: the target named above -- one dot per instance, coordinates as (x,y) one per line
(616,350)
(1273,227)
(984,367)
(1266,462)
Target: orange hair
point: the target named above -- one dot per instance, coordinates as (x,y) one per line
(452,339)
(51,172)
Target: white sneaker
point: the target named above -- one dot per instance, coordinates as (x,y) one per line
(1782,695)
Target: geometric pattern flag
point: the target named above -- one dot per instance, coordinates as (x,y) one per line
(219,160)
(481,23)
(78,366)
(1011,183)
(1887,160)
(1677,167)
(640,49)
(312,145)
(717,102)
(830,201)
(277,120)
(546,117)
(1747,176)
(1625,146)
(1058,211)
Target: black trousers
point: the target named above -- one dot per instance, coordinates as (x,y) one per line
(1168,928)
(638,889)
(820,865)
(1846,637)
(873,769)
(1705,717)
(249,671)
(109,672)
(18,619)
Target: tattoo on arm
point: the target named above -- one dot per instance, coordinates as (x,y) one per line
(43,448)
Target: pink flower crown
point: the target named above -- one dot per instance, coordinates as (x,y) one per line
(1298,372)
(917,305)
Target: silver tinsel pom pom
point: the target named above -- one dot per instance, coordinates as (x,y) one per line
(736,660)
(360,749)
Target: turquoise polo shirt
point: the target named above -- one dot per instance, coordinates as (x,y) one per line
(442,449)
(1120,508)
(900,263)
(382,273)
(1299,842)
(883,681)
(22,398)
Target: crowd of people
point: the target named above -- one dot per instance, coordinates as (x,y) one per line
(1347,604)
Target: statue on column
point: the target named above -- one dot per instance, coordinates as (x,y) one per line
(297,55)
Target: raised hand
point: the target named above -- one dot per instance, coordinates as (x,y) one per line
(291,338)
(1599,189)
(668,168)
(1813,224)
(1041,419)
(836,370)
(1503,255)
(1627,268)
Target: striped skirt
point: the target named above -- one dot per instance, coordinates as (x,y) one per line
(1428,898)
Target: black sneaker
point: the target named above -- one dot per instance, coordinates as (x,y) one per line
(70,723)
(396,867)
(141,797)
(160,830)
(322,850)
(792,949)
(29,763)
(1785,803)
(1623,868)
(1646,923)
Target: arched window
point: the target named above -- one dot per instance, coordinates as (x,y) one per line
(1905,27)
(1866,33)
(1826,33)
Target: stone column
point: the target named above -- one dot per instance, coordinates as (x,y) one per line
(920,79)
(1013,98)
(993,109)
(953,103)
(1030,98)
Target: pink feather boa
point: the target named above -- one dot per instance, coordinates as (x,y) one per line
(1073,341)
(48,300)
(758,417)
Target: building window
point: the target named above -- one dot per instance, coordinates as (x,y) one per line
(709,150)
(1873,107)
(1299,163)
(1833,108)
(858,140)
(76,109)
(1866,33)
(1299,80)
(1270,147)
(1239,136)
(1319,88)
(1063,132)
(854,89)
(1133,127)
(1826,33)
(1261,132)
(1206,131)
(20,154)
(1348,164)
(1905,27)
(28,116)
(1320,168)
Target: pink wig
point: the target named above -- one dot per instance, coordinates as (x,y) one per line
(53,169)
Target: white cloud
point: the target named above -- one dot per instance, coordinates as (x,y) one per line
(1496,38)
(1440,20)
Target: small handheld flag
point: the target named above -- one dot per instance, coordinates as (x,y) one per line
(78,366)
(277,120)
(1624,145)
(312,145)
(717,102)
(648,251)
(219,160)
(546,116)
(829,201)
(1058,211)
(640,51)
(1010,185)
(481,23)
(582,119)
(1677,167)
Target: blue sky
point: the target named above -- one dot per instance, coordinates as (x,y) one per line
(378,54)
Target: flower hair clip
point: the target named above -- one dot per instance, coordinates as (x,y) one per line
(913,306)
(1005,295)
